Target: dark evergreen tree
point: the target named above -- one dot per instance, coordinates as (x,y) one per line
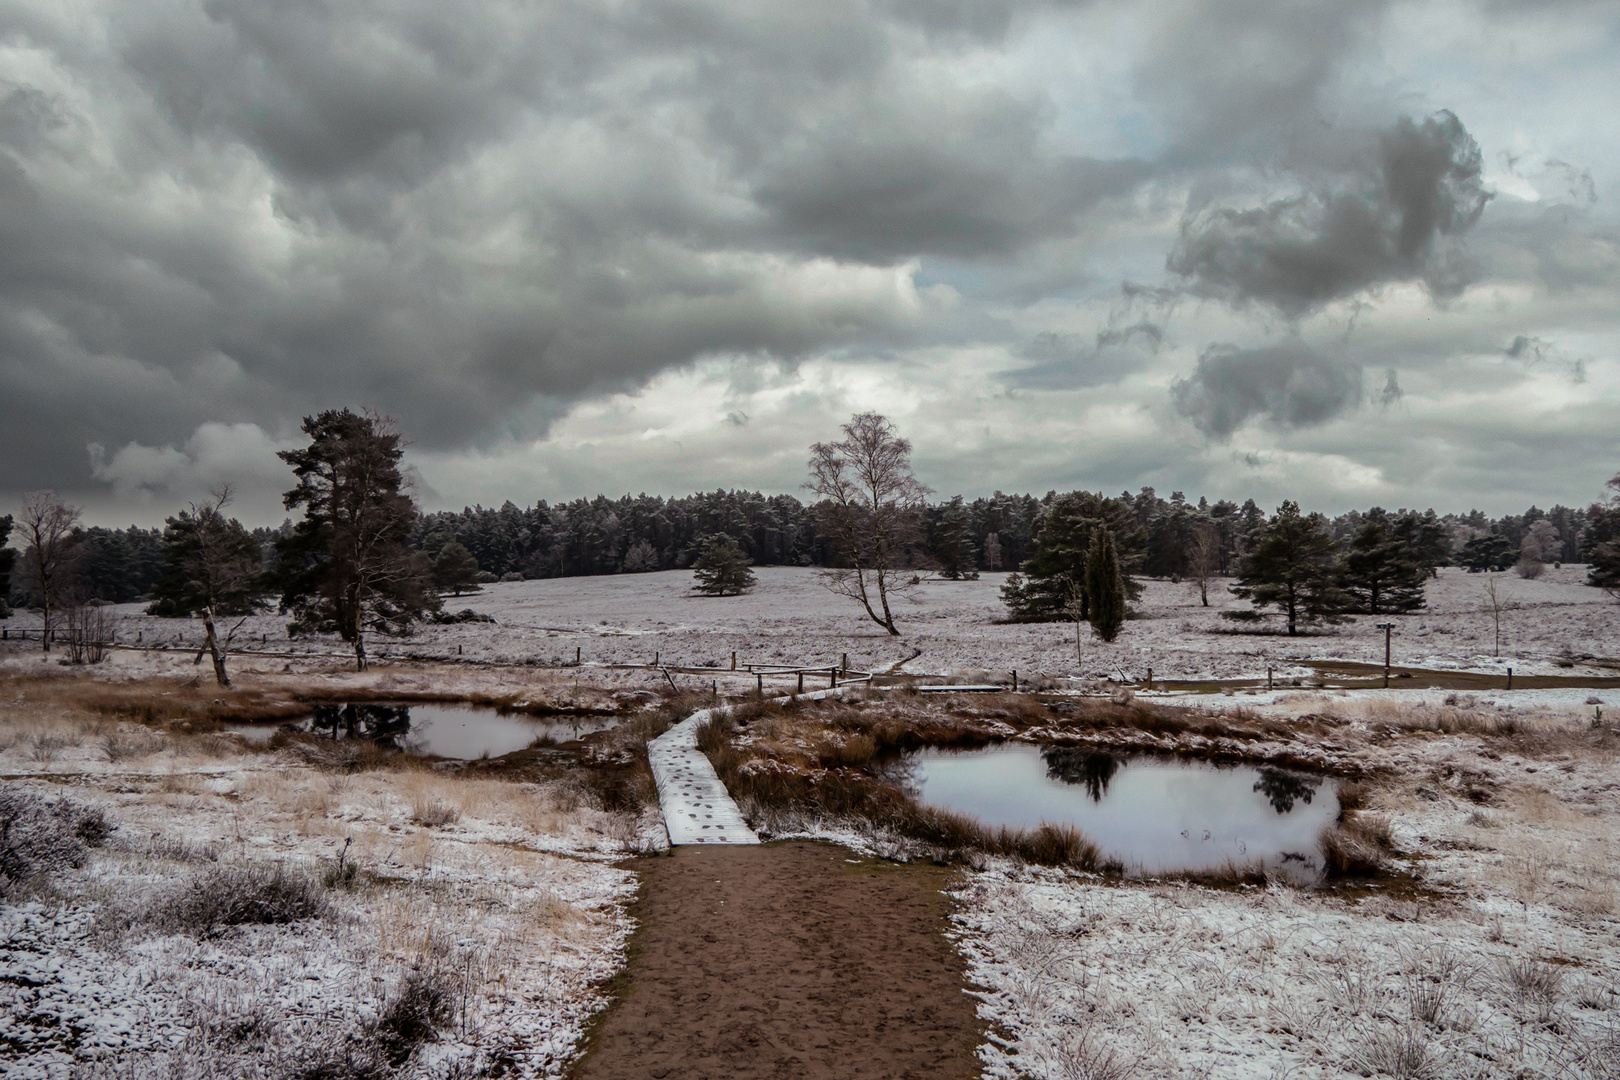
(1603,542)
(1292,566)
(1381,572)
(1058,566)
(722,568)
(953,546)
(1105,585)
(346,567)
(8,559)
(455,570)
(1493,551)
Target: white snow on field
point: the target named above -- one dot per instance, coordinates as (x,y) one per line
(509,889)
(790,618)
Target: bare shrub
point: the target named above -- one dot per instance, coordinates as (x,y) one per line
(1357,847)
(126,746)
(1349,983)
(40,835)
(434,813)
(423,1003)
(227,896)
(1404,1053)
(47,744)
(1087,1058)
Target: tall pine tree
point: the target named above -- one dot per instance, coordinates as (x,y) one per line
(347,567)
(1105,586)
(1057,569)
(1381,572)
(1292,565)
(722,569)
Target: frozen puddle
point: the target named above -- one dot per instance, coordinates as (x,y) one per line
(697,809)
(1153,814)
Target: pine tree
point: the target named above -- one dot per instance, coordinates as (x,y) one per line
(1105,586)
(455,569)
(1059,562)
(722,569)
(1487,553)
(1603,542)
(1292,566)
(8,559)
(1381,571)
(346,567)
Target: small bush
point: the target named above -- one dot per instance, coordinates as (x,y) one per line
(126,746)
(240,896)
(40,835)
(423,1003)
(47,745)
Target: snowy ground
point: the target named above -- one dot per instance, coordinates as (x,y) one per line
(789,618)
(1495,954)
(508,893)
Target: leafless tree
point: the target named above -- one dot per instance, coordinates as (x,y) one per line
(46,531)
(1204,557)
(90,629)
(1496,604)
(869,512)
(214,569)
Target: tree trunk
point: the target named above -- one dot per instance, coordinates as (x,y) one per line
(214,651)
(1203,592)
(359,650)
(45,622)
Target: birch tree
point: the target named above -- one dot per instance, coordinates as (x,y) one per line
(868,514)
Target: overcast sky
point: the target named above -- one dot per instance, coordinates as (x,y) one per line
(1348,252)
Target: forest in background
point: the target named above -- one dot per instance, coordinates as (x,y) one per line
(955,537)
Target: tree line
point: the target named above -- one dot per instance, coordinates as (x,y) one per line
(870,520)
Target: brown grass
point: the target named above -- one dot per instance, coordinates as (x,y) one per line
(1357,846)
(791,771)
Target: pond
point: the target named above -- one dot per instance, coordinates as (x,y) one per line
(1155,815)
(451,731)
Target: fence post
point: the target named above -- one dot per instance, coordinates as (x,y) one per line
(656,655)
(733,659)
(1150,679)
(1268,676)
(760,680)
(844,666)
(1510,679)
(1015,681)
(832,674)
(801,681)
(576,656)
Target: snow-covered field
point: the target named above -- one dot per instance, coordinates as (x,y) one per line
(504,897)
(790,618)
(1500,958)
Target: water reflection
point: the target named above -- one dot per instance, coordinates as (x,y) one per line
(385,725)
(444,730)
(1282,789)
(1151,813)
(1085,767)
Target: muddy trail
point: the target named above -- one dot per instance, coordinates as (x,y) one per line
(794,959)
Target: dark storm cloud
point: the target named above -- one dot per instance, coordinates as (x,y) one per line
(1391,217)
(1290,385)
(465,213)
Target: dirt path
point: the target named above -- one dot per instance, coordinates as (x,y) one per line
(788,960)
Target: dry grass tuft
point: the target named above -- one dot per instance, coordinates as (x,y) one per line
(1358,846)
(434,813)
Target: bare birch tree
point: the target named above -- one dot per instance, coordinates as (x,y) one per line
(46,531)
(869,508)
(1496,605)
(1204,557)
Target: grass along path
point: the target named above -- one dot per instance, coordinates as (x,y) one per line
(793,959)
